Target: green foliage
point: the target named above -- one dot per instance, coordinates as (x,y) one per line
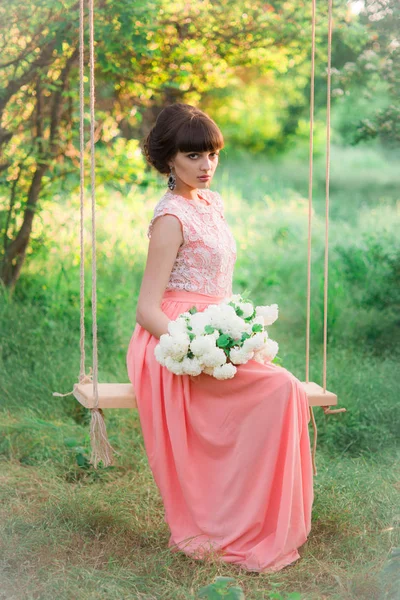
(147,55)
(371,79)
(371,270)
(220,589)
(209,329)
(223,340)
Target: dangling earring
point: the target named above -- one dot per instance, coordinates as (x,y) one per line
(171,180)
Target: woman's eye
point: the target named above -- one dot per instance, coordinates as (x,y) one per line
(196,154)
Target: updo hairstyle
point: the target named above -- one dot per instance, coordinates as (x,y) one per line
(180,128)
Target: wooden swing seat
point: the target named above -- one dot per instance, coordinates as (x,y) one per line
(122,395)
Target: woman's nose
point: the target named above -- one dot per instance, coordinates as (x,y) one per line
(206,165)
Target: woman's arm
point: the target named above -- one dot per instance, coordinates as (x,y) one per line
(164,244)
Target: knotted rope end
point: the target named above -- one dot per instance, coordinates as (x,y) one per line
(101,447)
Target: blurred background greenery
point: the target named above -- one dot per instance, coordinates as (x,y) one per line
(247,64)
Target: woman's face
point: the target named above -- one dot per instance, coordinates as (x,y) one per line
(190,167)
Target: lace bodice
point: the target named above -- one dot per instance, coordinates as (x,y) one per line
(206,259)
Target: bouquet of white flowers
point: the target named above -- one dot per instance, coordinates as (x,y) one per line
(215,340)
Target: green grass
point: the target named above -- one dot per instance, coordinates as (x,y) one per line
(103,535)
(68,531)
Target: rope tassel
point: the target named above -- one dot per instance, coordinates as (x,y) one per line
(101,447)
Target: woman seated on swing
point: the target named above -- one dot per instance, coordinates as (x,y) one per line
(231,458)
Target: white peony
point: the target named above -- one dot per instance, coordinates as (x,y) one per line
(178,326)
(174,366)
(208,370)
(203,344)
(224,317)
(159,354)
(269,313)
(239,356)
(198,321)
(175,346)
(234,328)
(248,328)
(247,309)
(268,352)
(215,358)
(258,320)
(256,342)
(191,366)
(227,371)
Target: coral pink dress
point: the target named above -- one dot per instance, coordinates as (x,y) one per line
(231,458)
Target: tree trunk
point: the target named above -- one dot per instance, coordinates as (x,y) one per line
(15,254)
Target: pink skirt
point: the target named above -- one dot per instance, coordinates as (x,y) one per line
(231,458)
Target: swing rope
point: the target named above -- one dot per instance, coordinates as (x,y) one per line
(310,179)
(101,447)
(327,410)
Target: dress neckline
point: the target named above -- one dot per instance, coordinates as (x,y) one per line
(193,201)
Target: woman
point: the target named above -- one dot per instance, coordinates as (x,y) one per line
(231,458)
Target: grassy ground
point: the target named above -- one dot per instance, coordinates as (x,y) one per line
(70,532)
(70,535)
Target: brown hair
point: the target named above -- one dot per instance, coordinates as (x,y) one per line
(180,128)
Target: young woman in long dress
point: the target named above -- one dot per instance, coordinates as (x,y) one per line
(231,458)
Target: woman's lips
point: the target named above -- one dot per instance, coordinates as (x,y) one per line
(205,177)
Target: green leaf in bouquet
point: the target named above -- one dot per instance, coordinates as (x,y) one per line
(190,354)
(223,340)
(246,295)
(191,336)
(257,327)
(193,310)
(239,312)
(251,317)
(209,329)
(189,327)
(245,336)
